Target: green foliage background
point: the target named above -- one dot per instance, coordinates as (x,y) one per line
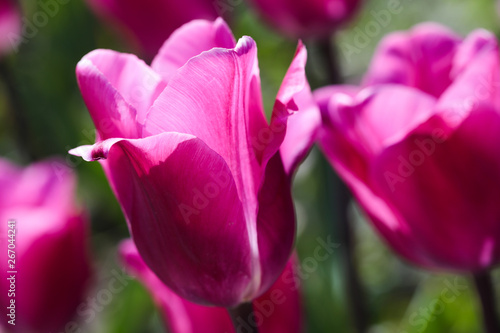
(56,120)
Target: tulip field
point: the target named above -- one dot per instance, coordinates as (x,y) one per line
(244,166)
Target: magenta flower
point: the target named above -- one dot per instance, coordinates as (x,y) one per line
(277,311)
(148,23)
(10,25)
(418,145)
(48,237)
(306,18)
(193,161)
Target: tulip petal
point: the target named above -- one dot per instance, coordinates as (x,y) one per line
(46,184)
(344,154)
(294,94)
(351,159)
(50,237)
(421,58)
(303,126)
(275,202)
(352,166)
(184,213)
(478,83)
(275,222)
(125,85)
(425,169)
(472,46)
(300,136)
(112,115)
(189,41)
(277,311)
(323,95)
(404,172)
(280,306)
(214,89)
(181,316)
(373,121)
(53,250)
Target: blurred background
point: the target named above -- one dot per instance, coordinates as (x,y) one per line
(45,116)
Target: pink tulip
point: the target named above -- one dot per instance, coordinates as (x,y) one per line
(418,145)
(148,23)
(307,18)
(193,161)
(10,25)
(277,311)
(49,243)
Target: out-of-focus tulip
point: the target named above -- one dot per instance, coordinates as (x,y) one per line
(306,18)
(276,311)
(194,163)
(49,243)
(10,25)
(148,23)
(418,145)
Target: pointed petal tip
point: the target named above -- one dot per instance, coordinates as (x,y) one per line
(219,21)
(87,59)
(84,152)
(244,45)
(98,151)
(301,48)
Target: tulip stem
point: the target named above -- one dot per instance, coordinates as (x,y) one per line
(329,53)
(243,317)
(353,284)
(354,289)
(16,110)
(486,294)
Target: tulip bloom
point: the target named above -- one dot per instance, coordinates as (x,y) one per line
(193,161)
(305,18)
(418,145)
(48,247)
(148,23)
(277,311)
(10,25)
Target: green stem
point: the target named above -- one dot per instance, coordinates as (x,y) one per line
(330,60)
(243,318)
(486,294)
(354,288)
